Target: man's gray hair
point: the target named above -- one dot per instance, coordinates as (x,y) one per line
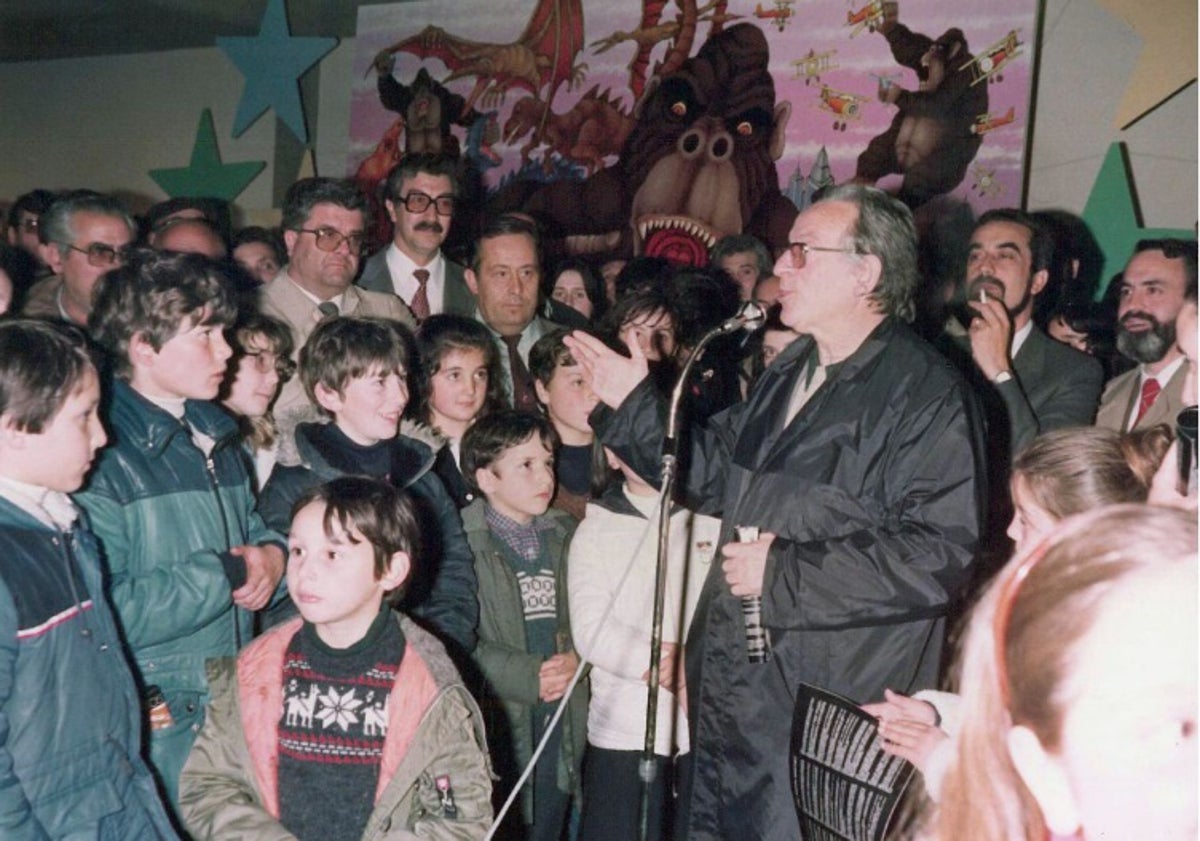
(885,228)
(55,224)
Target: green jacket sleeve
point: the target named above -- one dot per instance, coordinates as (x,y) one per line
(177,596)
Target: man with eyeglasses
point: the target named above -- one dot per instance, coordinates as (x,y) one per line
(858,460)
(324,227)
(420,195)
(1159,277)
(83,235)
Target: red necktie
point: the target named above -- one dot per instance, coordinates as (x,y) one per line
(1150,390)
(420,301)
(523,397)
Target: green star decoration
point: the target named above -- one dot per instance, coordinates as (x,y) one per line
(206,175)
(1113,218)
(273,63)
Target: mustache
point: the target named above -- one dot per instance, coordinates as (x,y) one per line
(981,281)
(1141,316)
(435,227)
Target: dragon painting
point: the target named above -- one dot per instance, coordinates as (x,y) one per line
(594,128)
(540,61)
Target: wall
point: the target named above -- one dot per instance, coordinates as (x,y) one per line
(104,122)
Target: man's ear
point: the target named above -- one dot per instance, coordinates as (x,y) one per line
(869,273)
(472,281)
(51,256)
(289,240)
(1038,282)
(391,209)
(1046,779)
(397,571)
(328,398)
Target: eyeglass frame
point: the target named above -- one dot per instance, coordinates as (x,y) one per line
(804,248)
(282,365)
(425,199)
(325,232)
(119,254)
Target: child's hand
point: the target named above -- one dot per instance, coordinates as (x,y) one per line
(264,568)
(910,740)
(898,707)
(554,675)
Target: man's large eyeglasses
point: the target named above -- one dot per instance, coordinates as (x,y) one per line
(417,202)
(330,239)
(100,255)
(799,252)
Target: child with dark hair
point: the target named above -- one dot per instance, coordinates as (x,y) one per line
(70,744)
(567,399)
(526,655)
(460,380)
(189,560)
(262,347)
(356,370)
(349,722)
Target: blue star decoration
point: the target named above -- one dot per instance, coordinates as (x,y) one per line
(1113,217)
(273,63)
(206,175)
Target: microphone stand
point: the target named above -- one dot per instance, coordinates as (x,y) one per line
(670,463)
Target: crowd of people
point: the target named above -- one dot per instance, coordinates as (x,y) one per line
(317,538)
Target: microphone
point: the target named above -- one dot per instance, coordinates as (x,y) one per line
(758,643)
(750,316)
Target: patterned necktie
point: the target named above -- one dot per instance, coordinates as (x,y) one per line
(522,385)
(420,301)
(1150,390)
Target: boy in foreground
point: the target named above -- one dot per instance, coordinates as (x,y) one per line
(70,721)
(525,655)
(349,722)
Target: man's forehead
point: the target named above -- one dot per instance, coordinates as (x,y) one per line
(427,182)
(86,223)
(508,249)
(1151,265)
(1002,232)
(335,216)
(824,217)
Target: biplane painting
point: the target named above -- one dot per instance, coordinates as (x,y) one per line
(921,97)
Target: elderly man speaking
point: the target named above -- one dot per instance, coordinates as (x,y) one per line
(858,457)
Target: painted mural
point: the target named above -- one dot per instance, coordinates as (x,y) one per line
(656,128)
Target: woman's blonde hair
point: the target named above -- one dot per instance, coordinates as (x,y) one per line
(1069,471)
(1021,643)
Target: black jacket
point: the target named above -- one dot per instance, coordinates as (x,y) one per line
(875,493)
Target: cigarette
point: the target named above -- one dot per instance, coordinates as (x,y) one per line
(982,297)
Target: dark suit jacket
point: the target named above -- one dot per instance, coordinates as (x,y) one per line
(457,297)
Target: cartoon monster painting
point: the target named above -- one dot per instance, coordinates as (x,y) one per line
(698,164)
(930,141)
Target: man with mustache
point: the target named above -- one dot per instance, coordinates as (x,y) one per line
(421,193)
(1157,279)
(1041,383)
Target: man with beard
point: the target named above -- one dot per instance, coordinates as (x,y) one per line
(421,193)
(1033,383)
(1158,278)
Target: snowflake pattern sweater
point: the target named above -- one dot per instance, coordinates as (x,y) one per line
(332,729)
